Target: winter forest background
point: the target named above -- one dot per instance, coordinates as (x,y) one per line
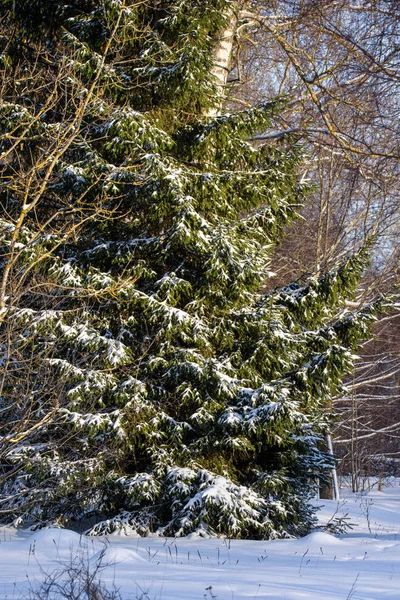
(199,227)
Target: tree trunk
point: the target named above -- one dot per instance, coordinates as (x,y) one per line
(222,60)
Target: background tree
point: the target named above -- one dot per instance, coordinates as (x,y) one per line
(338,64)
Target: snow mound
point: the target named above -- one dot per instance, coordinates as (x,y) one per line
(319,539)
(114,556)
(55,538)
(60,545)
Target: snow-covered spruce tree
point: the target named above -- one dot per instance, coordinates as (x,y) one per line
(148,382)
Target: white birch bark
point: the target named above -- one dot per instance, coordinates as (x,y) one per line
(222,61)
(336,491)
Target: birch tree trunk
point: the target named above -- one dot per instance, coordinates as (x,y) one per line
(222,59)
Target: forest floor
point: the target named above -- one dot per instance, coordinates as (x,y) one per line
(361,564)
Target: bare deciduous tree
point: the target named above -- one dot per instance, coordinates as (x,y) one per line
(337,64)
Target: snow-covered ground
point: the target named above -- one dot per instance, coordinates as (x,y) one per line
(363,564)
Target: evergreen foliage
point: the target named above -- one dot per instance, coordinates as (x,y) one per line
(156,386)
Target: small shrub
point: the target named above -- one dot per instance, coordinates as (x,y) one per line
(79,579)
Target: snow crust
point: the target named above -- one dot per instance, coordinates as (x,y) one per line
(363,564)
